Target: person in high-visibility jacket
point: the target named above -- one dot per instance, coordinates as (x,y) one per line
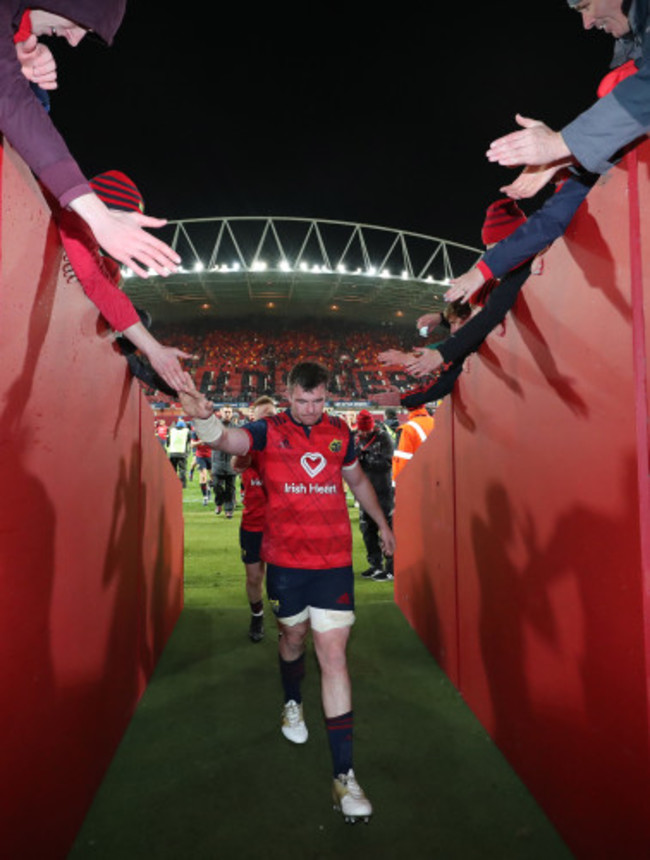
(414,431)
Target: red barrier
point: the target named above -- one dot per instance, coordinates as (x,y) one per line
(526,573)
(90,537)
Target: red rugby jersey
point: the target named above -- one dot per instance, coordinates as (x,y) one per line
(254,513)
(203,450)
(307,522)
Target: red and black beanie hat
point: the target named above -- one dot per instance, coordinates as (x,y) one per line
(501,219)
(117,191)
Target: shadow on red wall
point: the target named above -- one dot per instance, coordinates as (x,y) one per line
(526,573)
(91,540)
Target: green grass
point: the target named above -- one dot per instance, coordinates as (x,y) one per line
(204,773)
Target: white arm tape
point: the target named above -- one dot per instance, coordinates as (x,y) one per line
(209,430)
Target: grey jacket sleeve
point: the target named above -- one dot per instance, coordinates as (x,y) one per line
(595,136)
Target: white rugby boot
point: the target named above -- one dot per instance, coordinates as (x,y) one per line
(349,798)
(294,727)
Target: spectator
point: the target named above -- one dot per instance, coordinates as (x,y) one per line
(414,431)
(594,138)
(223,473)
(374,449)
(101,276)
(178,446)
(30,131)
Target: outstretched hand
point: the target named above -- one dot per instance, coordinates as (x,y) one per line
(392,356)
(423,361)
(37,63)
(121,235)
(387,398)
(195,404)
(465,286)
(165,361)
(536,143)
(428,321)
(531,180)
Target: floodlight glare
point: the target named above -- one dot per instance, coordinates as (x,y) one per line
(284,266)
(198,267)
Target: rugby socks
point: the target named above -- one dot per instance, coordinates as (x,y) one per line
(257,608)
(339,732)
(292,672)
(204,490)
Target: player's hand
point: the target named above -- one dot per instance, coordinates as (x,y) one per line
(241,462)
(195,404)
(387,541)
(392,356)
(423,361)
(536,143)
(465,286)
(37,63)
(165,361)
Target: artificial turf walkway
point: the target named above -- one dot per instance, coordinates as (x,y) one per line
(203,772)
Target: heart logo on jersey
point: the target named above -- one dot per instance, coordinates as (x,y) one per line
(313,464)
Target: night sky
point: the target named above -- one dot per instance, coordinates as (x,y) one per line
(382,120)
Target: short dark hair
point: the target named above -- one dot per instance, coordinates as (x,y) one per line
(459,309)
(308,375)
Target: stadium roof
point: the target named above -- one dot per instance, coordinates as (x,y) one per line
(298,268)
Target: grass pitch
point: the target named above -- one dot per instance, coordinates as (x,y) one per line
(204,773)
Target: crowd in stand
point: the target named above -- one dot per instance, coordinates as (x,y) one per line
(241,362)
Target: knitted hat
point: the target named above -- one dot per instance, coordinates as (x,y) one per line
(501,219)
(117,191)
(365,421)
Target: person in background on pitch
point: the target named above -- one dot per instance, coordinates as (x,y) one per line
(303,455)
(374,449)
(252,524)
(223,475)
(414,432)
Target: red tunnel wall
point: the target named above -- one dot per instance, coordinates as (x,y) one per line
(91,540)
(525,572)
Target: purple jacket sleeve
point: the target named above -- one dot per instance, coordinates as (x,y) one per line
(27,126)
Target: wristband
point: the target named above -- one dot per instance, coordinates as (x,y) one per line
(209,430)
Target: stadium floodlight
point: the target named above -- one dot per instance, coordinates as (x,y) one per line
(371,270)
(258,266)
(284,266)
(385,273)
(236,267)
(198,267)
(127,273)
(304,267)
(341,268)
(405,275)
